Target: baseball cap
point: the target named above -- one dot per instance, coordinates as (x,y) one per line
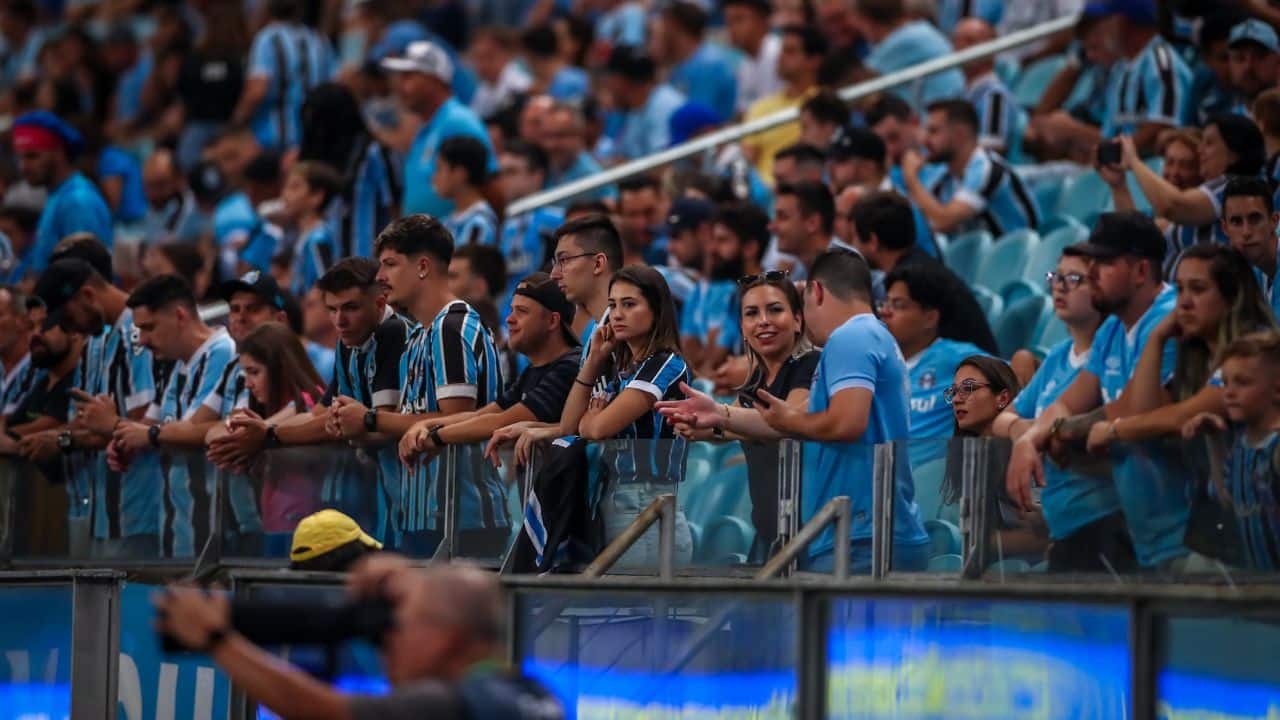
(540,288)
(59,283)
(1142,12)
(42,130)
(1254,31)
(690,119)
(852,143)
(689,214)
(423,56)
(325,531)
(258,283)
(1124,233)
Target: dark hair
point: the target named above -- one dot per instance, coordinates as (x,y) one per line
(594,234)
(636,183)
(532,155)
(87,247)
(264,168)
(540,41)
(889,106)
(161,292)
(352,272)
(1216,27)
(186,259)
(827,107)
(27,219)
(332,125)
(762,7)
(1247,311)
(414,235)
(283,9)
(801,153)
(487,262)
(1242,137)
(888,216)
(813,41)
(957,111)
(665,333)
(844,274)
(999,376)
(468,153)
(632,64)
(686,16)
(933,286)
(861,143)
(289,370)
(881,12)
(1249,187)
(813,197)
(22,9)
(339,559)
(795,303)
(590,207)
(749,222)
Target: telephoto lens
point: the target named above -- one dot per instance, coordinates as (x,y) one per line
(315,622)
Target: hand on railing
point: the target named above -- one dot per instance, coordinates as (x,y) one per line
(39,447)
(1205,423)
(95,414)
(514,433)
(235,451)
(1025,468)
(346,418)
(417,445)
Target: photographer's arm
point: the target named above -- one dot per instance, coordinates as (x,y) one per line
(282,688)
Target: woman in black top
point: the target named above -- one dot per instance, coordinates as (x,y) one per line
(782,363)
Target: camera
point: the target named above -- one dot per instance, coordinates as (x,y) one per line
(314,622)
(1109,153)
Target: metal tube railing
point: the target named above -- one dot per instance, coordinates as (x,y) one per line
(759,125)
(663,511)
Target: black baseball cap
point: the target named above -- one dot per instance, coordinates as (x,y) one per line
(540,288)
(1124,233)
(689,214)
(854,143)
(258,283)
(58,284)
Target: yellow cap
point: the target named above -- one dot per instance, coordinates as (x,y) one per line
(324,532)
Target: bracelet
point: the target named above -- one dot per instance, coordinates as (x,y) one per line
(1113,432)
(272,439)
(1057,425)
(726,416)
(216,638)
(584,383)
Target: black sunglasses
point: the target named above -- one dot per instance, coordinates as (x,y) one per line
(771,276)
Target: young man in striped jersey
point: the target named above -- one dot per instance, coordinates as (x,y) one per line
(461,169)
(169,324)
(450,365)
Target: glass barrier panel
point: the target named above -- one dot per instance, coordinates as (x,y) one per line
(933,473)
(1217,667)
(668,656)
(729,497)
(905,659)
(35,667)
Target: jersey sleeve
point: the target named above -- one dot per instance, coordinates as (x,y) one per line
(219,401)
(994,115)
(219,358)
(658,375)
(1024,404)
(546,399)
(852,360)
(1165,89)
(981,179)
(142,386)
(454,368)
(262,61)
(386,375)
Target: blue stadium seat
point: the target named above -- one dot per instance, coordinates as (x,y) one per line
(946,564)
(1085,197)
(1018,289)
(1018,324)
(964,253)
(927,478)
(1010,565)
(1045,256)
(990,303)
(1034,80)
(1006,259)
(944,538)
(1051,331)
(1007,69)
(727,540)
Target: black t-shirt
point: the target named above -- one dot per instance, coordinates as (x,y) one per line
(209,86)
(543,389)
(964,319)
(45,401)
(762,457)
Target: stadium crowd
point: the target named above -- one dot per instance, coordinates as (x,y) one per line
(338,173)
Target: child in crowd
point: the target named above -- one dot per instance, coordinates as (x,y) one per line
(307,191)
(1250,477)
(461,166)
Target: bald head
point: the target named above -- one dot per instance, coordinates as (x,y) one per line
(468,598)
(974,31)
(161,179)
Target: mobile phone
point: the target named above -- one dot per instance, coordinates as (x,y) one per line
(1109,152)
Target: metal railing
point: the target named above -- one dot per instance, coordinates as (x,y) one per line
(737,132)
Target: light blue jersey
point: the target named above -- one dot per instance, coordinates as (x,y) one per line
(951,12)
(913,44)
(623,25)
(712,306)
(292,58)
(995,190)
(931,373)
(1154,87)
(475,225)
(709,77)
(312,256)
(569,84)
(861,354)
(178,220)
(453,357)
(1216,190)
(526,244)
(1155,509)
(18,382)
(452,119)
(242,236)
(1070,500)
(1252,477)
(114,163)
(72,207)
(647,129)
(1000,117)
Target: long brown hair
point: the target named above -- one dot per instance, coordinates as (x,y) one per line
(999,376)
(289,370)
(665,333)
(757,372)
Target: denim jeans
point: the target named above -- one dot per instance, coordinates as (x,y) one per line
(620,508)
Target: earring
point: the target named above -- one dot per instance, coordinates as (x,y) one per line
(1001,406)
(422,276)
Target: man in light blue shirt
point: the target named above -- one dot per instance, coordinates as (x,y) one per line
(899,43)
(564,139)
(1125,281)
(704,72)
(647,105)
(860,397)
(422,82)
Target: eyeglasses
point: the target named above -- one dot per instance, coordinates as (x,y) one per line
(1070,281)
(962,391)
(770,276)
(561,260)
(895,304)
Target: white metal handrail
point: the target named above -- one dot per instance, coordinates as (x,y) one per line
(741,130)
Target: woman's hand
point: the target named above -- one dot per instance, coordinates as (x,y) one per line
(1205,423)
(602,344)
(1167,329)
(532,439)
(689,432)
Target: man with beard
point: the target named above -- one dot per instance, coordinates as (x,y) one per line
(739,237)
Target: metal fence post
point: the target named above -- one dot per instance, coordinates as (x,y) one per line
(95,644)
(884,475)
(447,549)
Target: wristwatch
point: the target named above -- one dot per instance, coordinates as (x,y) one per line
(434,434)
(65,442)
(153,436)
(371,421)
(272,440)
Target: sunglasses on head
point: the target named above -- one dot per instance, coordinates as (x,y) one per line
(771,276)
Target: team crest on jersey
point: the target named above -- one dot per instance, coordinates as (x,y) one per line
(928,380)
(1113,363)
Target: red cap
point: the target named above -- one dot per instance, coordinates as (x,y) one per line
(34,137)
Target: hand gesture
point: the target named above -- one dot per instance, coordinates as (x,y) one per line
(1129,152)
(133,437)
(503,436)
(776,411)
(1205,423)
(347,414)
(95,414)
(39,447)
(912,163)
(415,442)
(697,409)
(602,343)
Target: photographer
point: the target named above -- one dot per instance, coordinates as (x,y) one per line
(442,650)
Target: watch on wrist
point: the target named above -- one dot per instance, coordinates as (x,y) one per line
(434,434)
(272,440)
(65,442)
(216,637)
(371,420)
(153,436)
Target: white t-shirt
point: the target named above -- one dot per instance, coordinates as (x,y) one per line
(758,75)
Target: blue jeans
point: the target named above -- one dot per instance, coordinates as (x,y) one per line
(906,558)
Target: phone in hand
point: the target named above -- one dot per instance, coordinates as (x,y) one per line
(1109,153)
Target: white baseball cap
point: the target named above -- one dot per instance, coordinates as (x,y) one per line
(422,56)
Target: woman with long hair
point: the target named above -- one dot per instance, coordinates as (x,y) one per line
(278,375)
(781,362)
(982,388)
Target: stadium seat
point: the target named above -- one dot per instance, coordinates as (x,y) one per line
(1044,258)
(1018,289)
(964,253)
(944,538)
(725,540)
(927,478)
(1051,331)
(990,303)
(1018,324)
(1010,565)
(1034,80)
(946,564)
(1006,259)
(1007,69)
(1085,197)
